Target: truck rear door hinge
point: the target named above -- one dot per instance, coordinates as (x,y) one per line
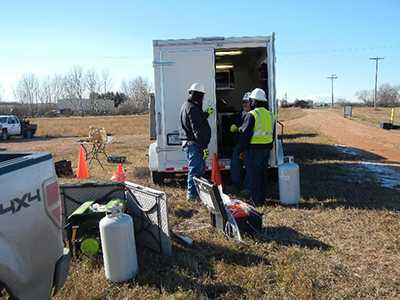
(163,63)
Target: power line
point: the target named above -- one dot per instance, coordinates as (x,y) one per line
(332,77)
(325,51)
(377,59)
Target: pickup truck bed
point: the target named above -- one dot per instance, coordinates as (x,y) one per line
(32,255)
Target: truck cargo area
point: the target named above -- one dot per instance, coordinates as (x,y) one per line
(9,156)
(10,162)
(237,71)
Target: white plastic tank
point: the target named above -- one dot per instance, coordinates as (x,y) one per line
(118,246)
(289,182)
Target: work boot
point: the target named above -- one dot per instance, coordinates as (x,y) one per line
(233,189)
(245,194)
(193,199)
(258,203)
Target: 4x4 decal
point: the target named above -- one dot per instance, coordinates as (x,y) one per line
(16,204)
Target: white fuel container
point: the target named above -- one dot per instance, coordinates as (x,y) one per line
(289,182)
(118,246)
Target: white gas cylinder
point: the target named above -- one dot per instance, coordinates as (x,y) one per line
(289,182)
(118,246)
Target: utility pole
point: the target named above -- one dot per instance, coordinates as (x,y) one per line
(376,76)
(332,77)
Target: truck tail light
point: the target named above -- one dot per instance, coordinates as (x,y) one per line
(53,202)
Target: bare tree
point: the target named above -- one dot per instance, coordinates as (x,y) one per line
(28,92)
(46,93)
(92,81)
(138,92)
(51,90)
(93,86)
(75,87)
(105,82)
(1,93)
(342,101)
(58,87)
(366,96)
(388,95)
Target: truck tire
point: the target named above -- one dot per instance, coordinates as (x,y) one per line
(5,293)
(157,177)
(4,134)
(28,134)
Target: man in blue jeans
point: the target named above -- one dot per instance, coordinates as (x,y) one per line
(257,138)
(237,161)
(195,133)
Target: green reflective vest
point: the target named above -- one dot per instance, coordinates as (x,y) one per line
(263,126)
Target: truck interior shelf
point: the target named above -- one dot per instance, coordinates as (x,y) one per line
(237,71)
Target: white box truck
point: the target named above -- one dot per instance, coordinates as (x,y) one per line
(227,67)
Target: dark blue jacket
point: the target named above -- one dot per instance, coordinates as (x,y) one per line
(194,125)
(239,119)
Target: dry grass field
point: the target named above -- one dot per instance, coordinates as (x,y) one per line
(373,117)
(342,242)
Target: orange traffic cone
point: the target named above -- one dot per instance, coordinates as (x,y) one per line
(215,171)
(119,176)
(82,170)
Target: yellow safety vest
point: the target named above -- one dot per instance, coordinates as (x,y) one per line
(263,126)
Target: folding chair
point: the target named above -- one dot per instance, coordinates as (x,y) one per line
(95,145)
(221,218)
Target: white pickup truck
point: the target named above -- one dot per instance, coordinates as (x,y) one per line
(13,126)
(33,261)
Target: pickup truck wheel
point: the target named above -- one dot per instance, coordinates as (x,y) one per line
(157,177)
(5,294)
(4,134)
(28,134)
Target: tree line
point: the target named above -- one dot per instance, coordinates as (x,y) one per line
(84,90)
(387,96)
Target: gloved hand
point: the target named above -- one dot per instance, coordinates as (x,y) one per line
(234,128)
(210,110)
(242,156)
(205,154)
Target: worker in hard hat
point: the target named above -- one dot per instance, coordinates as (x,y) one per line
(195,133)
(237,162)
(257,140)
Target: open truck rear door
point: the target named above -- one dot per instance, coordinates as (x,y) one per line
(277,151)
(175,70)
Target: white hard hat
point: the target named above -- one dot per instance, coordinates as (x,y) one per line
(197,87)
(259,95)
(246,96)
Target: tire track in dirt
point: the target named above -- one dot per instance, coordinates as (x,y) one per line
(350,133)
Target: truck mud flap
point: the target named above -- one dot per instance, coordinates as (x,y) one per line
(61,271)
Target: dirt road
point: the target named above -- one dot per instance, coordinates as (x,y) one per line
(350,133)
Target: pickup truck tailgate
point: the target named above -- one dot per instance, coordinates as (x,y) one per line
(30,235)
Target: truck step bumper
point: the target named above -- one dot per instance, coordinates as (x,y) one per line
(61,272)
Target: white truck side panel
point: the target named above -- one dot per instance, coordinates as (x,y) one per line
(33,241)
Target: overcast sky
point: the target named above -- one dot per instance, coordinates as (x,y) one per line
(313,38)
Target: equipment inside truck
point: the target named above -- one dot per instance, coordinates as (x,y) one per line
(237,71)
